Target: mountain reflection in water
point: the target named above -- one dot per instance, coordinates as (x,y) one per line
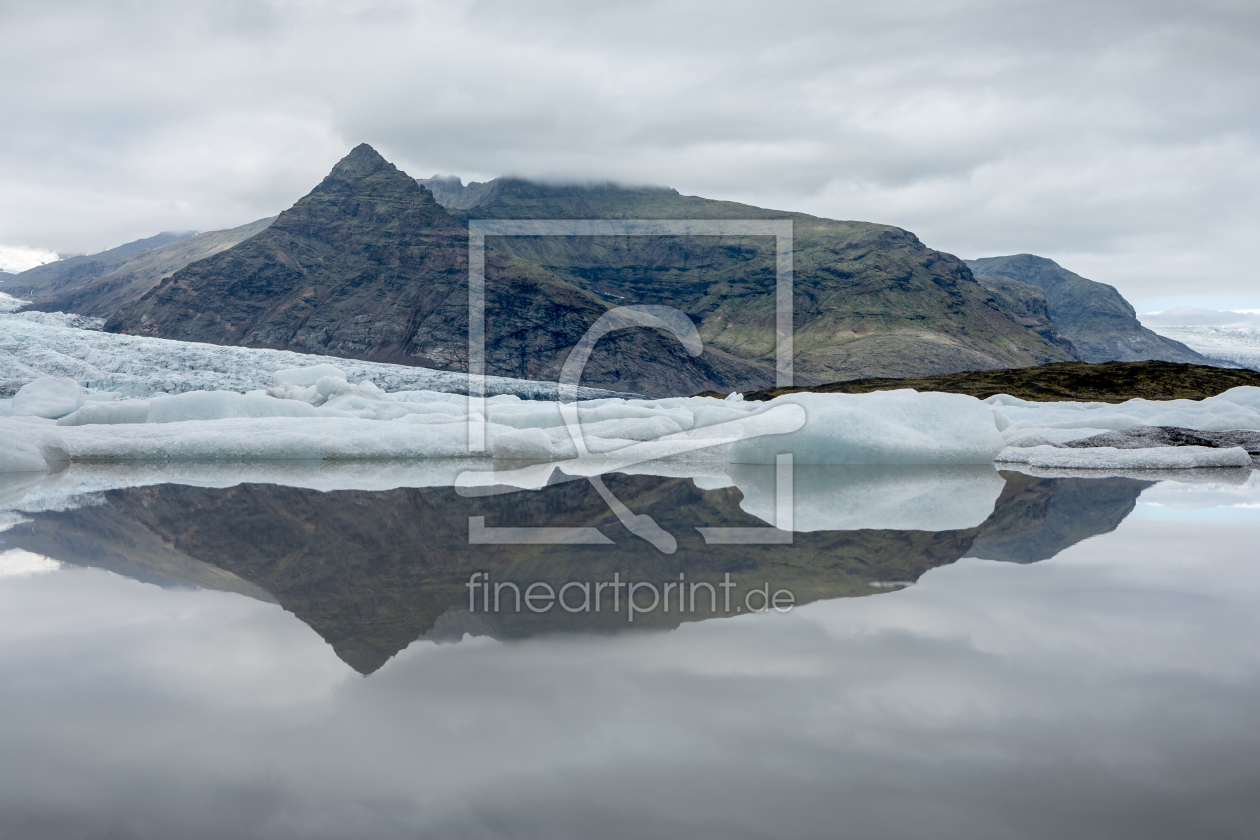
(372,571)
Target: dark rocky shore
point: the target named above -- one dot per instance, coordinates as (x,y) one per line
(1111,382)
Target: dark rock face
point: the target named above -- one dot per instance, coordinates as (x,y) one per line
(869,299)
(1093,316)
(1030,306)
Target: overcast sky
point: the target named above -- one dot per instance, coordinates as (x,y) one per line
(1118,138)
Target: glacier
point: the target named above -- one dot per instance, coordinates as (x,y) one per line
(1240,345)
(57,344)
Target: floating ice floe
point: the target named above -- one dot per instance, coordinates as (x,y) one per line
(319,413)
(316,413)
(1110,458)
(1237,408)
(50,398)
(883,427)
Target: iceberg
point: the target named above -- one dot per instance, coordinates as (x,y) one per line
(1237,408)
(1110,458)
(48,397)
(883,427)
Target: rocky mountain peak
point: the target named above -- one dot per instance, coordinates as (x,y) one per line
(361,162)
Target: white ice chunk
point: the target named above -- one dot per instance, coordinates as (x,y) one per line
(1108,458)
(221,405)
(124,411)
(49,397)
(884,427)
(526,445)
(267,438)
(18,455)
(1237,408)
(305,377)
(634,428)
(30,445)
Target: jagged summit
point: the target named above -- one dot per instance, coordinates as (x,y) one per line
(452,193)
(362,162)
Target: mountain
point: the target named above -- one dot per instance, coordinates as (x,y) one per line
(871,300)
(51,279)
(1093,316)
(105,294)
(370,266)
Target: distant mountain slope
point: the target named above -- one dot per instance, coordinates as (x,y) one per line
(55,278)
(1093,316)
(369,266)
(871,299)
(105,295)
(1031,308)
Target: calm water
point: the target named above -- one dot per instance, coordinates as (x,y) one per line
(234,652)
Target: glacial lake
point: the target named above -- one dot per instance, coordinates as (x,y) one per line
(313,651)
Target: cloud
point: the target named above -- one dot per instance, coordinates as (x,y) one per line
(1119,138)
(15,258)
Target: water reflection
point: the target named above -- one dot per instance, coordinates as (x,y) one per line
(1112,691)
(372,571)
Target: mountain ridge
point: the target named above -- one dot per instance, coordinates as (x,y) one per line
(49,279)
(871,299)
(1094,316)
